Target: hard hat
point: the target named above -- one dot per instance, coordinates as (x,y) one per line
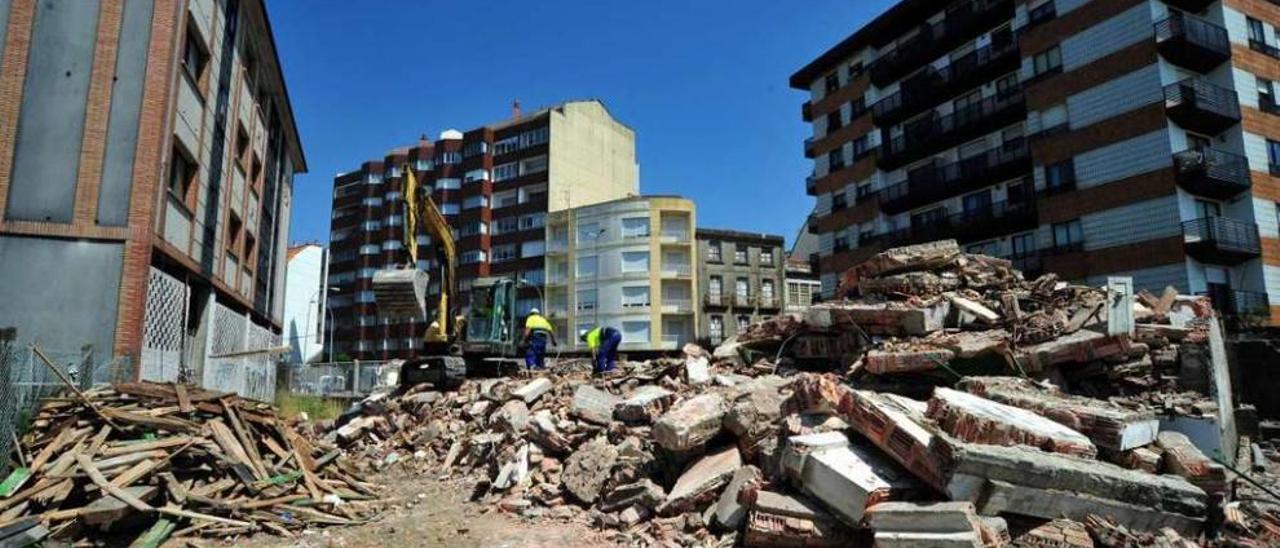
(534,311)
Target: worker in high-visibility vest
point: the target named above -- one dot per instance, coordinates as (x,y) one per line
(603,342)
(537,331)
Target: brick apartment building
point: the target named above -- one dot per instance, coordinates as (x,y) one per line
(146,163)
(1088,138)
(495,184)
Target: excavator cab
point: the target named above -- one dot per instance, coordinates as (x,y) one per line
(492,328)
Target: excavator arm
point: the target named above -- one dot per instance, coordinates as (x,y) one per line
(421,210)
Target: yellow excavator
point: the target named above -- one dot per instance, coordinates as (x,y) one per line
(452,342)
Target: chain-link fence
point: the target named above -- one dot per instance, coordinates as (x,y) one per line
(26,379)
(340,379)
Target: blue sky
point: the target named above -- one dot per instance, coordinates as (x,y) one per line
(704,84)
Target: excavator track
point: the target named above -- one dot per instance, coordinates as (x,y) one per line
(445,372)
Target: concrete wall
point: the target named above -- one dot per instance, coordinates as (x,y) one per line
(592,158)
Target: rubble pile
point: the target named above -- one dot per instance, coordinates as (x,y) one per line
(148,461)
(954,404)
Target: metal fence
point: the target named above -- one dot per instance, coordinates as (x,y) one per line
(340,379)
(25,380)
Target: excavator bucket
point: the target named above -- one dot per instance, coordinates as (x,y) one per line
(401,293)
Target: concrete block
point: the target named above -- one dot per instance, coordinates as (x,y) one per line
(935,517)
(924,256)
(979,420)
(894,539)
(697,370)
(1108,425)
(729,512)
(847,479)
(895,319)
(774,530)
(533,390)
(1003,497)
(881,362)
(788,505)
(589,468)
(754,413)
(690,423)
(647,403)
(594,405)
(701,482)
(909,283)
(1080,347)
(643,493)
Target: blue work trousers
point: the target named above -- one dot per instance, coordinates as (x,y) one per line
(607,354)
(535,356)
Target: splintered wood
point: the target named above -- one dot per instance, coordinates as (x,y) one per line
(151,460)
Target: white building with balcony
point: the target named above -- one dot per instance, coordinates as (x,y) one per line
(627,264)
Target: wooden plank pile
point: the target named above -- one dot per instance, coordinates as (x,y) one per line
(154,461)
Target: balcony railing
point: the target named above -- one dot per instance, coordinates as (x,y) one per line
(677,306)
(921,138)
(931,88)
(1192,42)
(743,300)
(676,271)
(768,301)
(715,299)
(1221,240)
(806,111)
(811,185)
(1212,173)
(1197,105)
(932,183)
(808,147)
(1190,5)
(934,40)
(675,237)
(966,226)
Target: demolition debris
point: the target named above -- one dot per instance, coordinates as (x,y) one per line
(944,401)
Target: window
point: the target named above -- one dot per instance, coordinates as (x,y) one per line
(1273,156)
(635,227)
(832,82)
(855,70)
(766,289)
(717,329)
(740,254)
(505,171)
(506,146)
(475,175)
(742,287)
(475,148)
(533,165)
(766,257)
(857,107)
(449,209)
(392,245)
(1207,210)
(450,157)
(1023,244)
(1060,177)
(841,241)
(422,164)
(1267,96)
(743,321)
(451,183)
(506,199)
(635,261)
(472,202)
(472,257)
(194,55)
(1007,86)
(835,159)
(713,252)
(1054,119)
(532,221)
(635,297)
(473,229)
(536,248)
(370,226)
(534,137)
(587,299)
(588,233)
(839,201)
(1068,236)
(1257,34)
(587,266)
(861,147)
(978,203)
(506,225)
(370,249)
(715,286)
(504,253)
(182,172)
(536,277)
(635,332)
(1048,61)
(242,144)
(834,121)
(1041,13)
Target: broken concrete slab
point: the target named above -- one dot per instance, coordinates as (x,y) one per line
(754,412)
(920,283)
(1080,347)
(729,512)
(594,405)
(533,390)
(1108,425)
(1183,458)
(1001,497)
(979,420)
(881,362)
(513,416)
(690,423)
(588,468)
(974,308)
(928,517)
(924,256)
(895,319)
(700,482)
(846,478)
(646,403)
(643,493)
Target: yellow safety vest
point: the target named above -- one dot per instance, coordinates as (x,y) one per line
(593,338)
(535,322)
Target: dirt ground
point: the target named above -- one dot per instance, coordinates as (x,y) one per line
(436,512)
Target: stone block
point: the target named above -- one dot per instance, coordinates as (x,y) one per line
(533,390)
(690,423)
(588,469)
(646,403)
(594,405)
(845,478)
(702,481)
(979,420)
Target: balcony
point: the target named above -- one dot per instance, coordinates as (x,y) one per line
(743,301)
(768,301)
(1236,302)
(557,247)
(1212,173)
(931,88)
(935,40)
(811,185)
(677,271)
(674,237)
(806,111)
(1197,105)
(937,182)
(714,299)
(922,138)
(1192,42)
(677,306)
(1220,240)
(808,147)
(1189,5)
(966,226)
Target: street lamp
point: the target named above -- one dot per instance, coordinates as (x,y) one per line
(329,316)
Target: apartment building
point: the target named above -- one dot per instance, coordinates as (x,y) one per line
(496,184)
(1087,138)
(146,167)
(741,279)
(306,302)
(629,264)
(803,287)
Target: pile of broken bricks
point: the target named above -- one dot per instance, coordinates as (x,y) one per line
(954,404)
(150,463)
